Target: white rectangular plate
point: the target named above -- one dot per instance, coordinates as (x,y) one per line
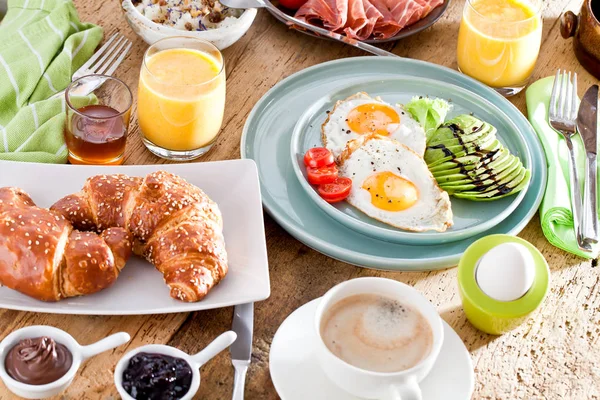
(140,289)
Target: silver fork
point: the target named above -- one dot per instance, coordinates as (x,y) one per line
(563,118)
(113,52)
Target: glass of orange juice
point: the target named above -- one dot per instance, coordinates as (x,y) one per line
(499,42)
(181,97)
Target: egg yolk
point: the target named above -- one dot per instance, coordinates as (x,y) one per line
(372,118)
(390,192)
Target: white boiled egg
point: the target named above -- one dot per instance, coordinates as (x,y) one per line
(361,114)
(392,184)
(506,272)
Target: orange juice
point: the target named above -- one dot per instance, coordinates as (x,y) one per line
(499,41)
(181,98)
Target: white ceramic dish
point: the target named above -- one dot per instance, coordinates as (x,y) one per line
(150,31)
(195,361)
(296,373)
(140,288)
(80,354)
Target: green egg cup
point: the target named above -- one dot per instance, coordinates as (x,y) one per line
(493,316)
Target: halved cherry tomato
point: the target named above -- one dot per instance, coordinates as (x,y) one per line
(336,199)
(318,157)
(336,191)
(292,4)
(317,176)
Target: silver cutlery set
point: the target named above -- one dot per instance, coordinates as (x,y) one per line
(567,118)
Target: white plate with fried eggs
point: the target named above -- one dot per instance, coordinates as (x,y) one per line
(332,121)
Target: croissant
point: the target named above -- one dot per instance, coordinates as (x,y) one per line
(43,257)
(172,223)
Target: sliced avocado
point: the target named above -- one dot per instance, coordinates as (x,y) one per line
(456,138)
(468,163)
(458,145)
(437,156)
(496,166)
(511,188)
(434,153)
(459,169)
(486,180)
(512,179)
(460,125)
(499,156)
(482,174)
(464,139)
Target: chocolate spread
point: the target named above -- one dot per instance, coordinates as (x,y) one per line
(38,361)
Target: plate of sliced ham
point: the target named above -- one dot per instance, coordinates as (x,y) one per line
(370,21)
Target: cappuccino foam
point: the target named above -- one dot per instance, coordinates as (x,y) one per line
(376,333)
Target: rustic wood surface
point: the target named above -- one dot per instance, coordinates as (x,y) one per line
(552,356)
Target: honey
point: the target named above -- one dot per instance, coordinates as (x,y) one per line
(96,134)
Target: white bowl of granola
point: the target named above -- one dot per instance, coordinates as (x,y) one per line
(153,20)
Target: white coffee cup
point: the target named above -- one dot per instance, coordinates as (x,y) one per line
(402,385)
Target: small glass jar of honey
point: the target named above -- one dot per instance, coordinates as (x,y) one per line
(98,114)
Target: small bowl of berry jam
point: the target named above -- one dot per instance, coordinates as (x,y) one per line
(160,372)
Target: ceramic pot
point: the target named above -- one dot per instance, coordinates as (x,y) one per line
(585,30)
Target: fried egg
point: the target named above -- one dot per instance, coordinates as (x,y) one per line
(392,184)
(361,114)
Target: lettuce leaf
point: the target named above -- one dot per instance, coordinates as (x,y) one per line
(430,112)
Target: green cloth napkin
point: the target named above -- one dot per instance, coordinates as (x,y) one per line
(555,213)
(42,43)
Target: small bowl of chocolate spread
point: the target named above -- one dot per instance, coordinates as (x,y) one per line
(163,372)
(37,362)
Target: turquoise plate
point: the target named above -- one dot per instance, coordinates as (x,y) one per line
(267,138)
(470,217)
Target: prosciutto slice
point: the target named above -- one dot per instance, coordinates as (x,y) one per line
(399,13)
(361,19)
(426,7)
(330,14)
(371,16)
(357,18)
(385,26)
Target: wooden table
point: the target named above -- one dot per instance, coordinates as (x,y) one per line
(551,356)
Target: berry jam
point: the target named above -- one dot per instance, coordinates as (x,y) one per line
(157,377)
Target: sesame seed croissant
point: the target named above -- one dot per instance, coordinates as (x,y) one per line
(173,224)
(42,256)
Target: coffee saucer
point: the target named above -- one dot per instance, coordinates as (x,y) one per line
(297,375)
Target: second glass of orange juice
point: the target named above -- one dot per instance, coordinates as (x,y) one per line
(181,97)
(499,42)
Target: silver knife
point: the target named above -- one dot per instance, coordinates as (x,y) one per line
(241,349)
(587,124)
